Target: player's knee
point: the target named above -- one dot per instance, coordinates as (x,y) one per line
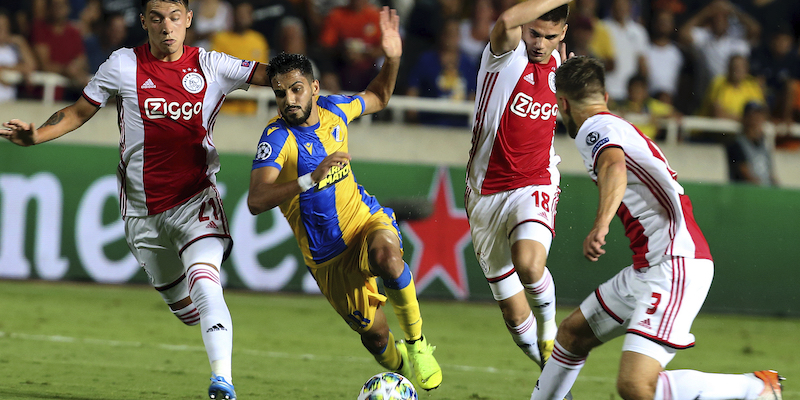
(386,262)
(375,342)
(575,335)
(631,388)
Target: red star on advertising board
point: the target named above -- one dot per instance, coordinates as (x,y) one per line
(439,240)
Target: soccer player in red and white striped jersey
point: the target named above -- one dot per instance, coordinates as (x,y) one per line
(654,301)
(167,96)
(512,180)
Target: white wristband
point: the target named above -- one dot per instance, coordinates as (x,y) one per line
(305,182)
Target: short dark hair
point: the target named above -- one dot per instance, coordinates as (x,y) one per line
(558,14)
(184,2)
(287,62)
(581,77)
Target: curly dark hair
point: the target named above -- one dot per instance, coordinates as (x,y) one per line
(287,62)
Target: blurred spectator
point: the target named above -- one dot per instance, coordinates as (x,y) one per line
(58,45)
(474,32)
(601,44)
(243,43)
(749,157)
(708,34)
(579,40)
(15,55)
(445,73)
(728,94)
(210,17)
(351,40)
(269,18)
(89,17)
(423,27)
(772,65)
(630,47)
(648,109)
(131,9)
(664,58)
(111,35)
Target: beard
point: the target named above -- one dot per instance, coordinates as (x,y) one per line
(305,112)
(572,128)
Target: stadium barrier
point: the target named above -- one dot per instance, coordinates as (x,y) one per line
(399,104)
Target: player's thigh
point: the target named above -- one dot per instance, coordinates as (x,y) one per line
(609,308)
(202,216)
(489,231)
(154,251)
(532,214)
(669,296)
(352,292)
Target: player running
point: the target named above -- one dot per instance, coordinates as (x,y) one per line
(512,179)
(347,238)
(654,301)
(168,96)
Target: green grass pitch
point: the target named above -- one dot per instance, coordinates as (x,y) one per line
(90,341)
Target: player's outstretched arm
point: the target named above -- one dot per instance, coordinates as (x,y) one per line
(507,31)
(612,179)
(378,92)
(260,76)
(265,194)
(63,121)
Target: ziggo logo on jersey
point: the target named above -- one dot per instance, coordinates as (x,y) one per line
(156,108)
(524,106)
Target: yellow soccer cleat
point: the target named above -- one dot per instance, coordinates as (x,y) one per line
(427,372)
(405,364)
(546,349)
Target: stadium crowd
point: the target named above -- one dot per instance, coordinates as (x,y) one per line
(664,58)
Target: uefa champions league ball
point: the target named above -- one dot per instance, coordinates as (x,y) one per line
(388,386)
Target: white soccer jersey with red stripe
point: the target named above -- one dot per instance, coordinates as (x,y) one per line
(166,116)
(515,120)
(655,212)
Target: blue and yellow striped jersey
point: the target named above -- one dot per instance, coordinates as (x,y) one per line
(327,218)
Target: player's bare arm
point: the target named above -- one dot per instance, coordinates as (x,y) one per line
(62,122)
(265,194)
(507,31)
(612,179)
(260,76)
(378,92)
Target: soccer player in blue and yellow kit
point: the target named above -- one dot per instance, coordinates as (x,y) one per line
(347,238)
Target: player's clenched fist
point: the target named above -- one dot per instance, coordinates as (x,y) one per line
(338,159)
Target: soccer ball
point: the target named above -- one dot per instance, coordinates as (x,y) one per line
(388,386)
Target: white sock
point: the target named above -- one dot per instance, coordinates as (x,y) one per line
(686,384)
(542,296)
(188,315)
(558,375)
(524,336)
(215,319)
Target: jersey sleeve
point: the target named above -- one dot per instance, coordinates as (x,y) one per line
(231,72)
(347,108)
(493,62)
(105,83)
(592,142)
(272,148)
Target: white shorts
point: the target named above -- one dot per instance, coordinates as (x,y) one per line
(498,220)
(658,303)
(157,241)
